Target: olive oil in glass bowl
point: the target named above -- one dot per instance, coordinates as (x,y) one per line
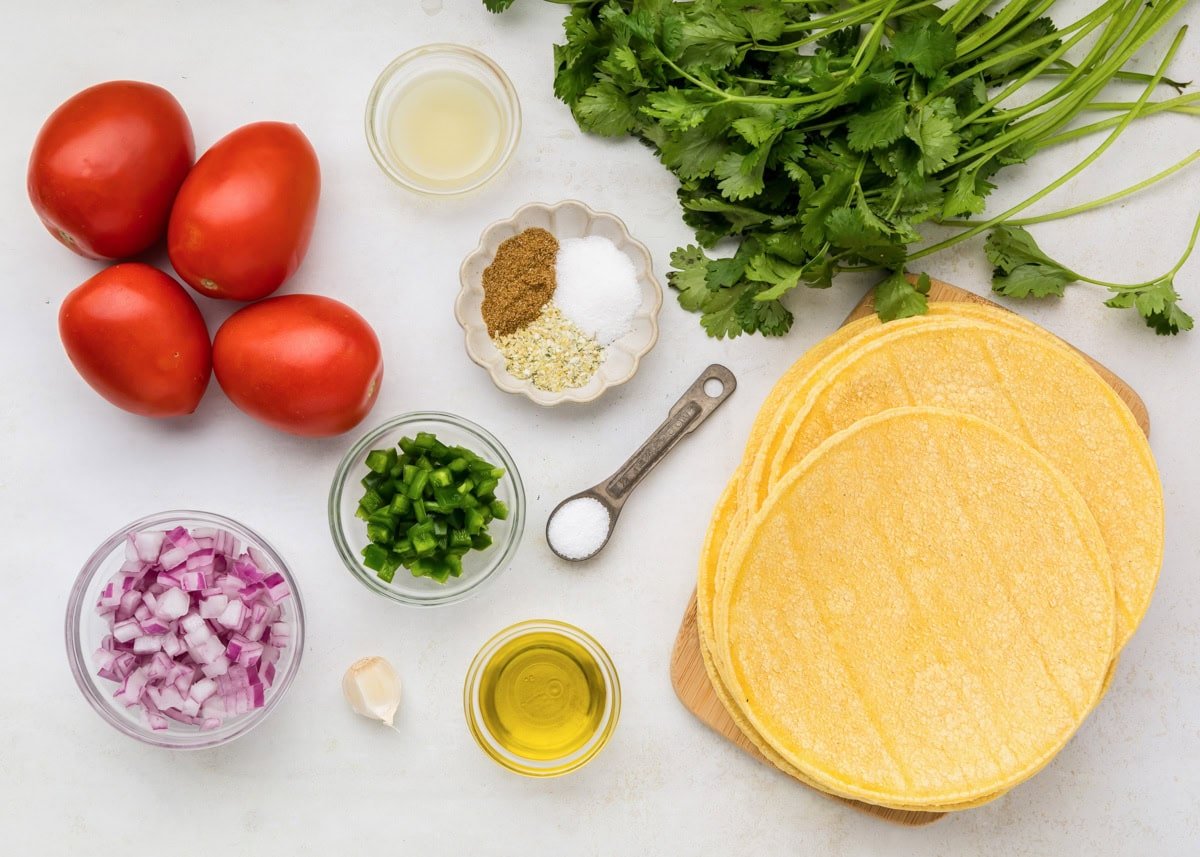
(542,698)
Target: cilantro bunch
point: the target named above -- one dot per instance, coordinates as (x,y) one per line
(821,135)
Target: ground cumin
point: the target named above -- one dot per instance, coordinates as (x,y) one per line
(519,282)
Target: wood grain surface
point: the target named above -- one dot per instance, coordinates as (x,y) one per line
(690,679)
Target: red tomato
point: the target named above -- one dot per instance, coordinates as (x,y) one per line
(303,364)
(242,220)
(137,337)
(106,167)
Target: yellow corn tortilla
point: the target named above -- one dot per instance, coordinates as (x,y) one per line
(789,394)
(728,512)
(722,516)
(1047,396)
(892,638)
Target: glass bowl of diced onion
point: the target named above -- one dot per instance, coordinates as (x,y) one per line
(184,629)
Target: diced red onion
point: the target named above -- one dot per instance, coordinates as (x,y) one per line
(147,645)
(218,667)
(231,616)
(125,631)
(173,604)
(195,627)
(213,606)
(146,546)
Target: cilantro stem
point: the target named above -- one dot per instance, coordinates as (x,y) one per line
(963,13)
(1178,104)
(1089,22)
(860,15)
(999,25)
(837,20)
(1071,173)
(1102,15)
(1062,67)
(1095,203)
(1136,287)
(1032,129)
(863,58)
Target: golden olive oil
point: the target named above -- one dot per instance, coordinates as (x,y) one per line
(542,696)
(445,127)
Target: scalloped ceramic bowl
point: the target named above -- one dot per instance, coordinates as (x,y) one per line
(567,219)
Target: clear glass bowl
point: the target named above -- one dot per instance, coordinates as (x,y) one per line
(429,60)
(541,767)
(85,628)
(350,532)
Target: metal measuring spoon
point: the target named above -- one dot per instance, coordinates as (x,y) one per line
(693,408)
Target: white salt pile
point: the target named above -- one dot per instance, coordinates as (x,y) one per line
(597,287)
(579,528)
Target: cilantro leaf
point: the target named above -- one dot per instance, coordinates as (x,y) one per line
(848,230)
(896,297)
(741,176)
(729,303)
(739,217)
(709,40)
(670,36)
(497,6)
(689,277)
(967,196)
(1033,280)
(694,153)
(758,130)
(829,196)
(1010,246)
(1170,321)
(623,67)
(780,275)
(770,318)
(1022,270)
(677,109)
(926,45)
(605,110)
(719,314)
(881,126)
(1158,305)
(931,127)
(723,273)
(762,22)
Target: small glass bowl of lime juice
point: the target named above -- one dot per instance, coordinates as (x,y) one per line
(443,120)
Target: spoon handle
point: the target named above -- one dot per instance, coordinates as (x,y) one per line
(693,408)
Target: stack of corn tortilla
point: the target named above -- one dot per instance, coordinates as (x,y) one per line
(915,586)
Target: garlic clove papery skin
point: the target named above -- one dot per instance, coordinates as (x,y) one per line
(372,688)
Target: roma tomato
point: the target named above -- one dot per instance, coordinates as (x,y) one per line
(243,219)
(137,337)
(303,364)
(106,167)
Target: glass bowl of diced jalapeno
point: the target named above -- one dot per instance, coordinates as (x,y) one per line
(427,507)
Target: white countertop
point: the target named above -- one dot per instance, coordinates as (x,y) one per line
(316,778)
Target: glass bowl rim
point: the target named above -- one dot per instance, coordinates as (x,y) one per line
(78,658)
(341,478)
(511,105)
(607,669)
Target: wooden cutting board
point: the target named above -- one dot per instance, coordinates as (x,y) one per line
(690,679)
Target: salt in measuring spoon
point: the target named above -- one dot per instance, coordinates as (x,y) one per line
(707,393)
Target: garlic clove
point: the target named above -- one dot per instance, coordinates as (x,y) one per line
(372,688)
